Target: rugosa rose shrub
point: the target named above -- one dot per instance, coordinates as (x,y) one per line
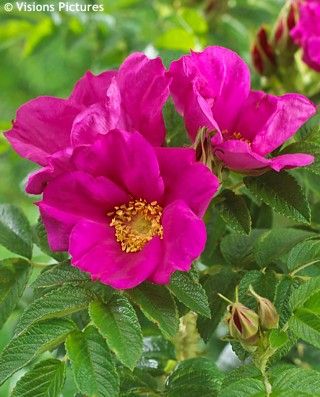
(306,33)
(212,89)
(129,212)
(151,256)
(47,129)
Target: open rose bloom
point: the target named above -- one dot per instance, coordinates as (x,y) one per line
(306,32)
(47,129)
(212,89)
(129,212)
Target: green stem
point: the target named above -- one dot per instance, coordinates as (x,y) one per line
(39,265)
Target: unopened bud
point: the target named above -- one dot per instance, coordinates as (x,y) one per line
(243,323)
(286,22)
(268,316)
(262,53)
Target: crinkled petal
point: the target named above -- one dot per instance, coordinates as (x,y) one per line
(291,112)
(95,250)
(74,196)
(238,156)
(184,238)
(126,158)
(42,127)
(92,89)
(99,118)
(144,88)
(288,161)
(219,76)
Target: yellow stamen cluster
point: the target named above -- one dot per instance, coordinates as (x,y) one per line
(236,135)
(136,223)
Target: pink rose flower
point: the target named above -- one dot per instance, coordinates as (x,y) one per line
(212,89)
(47,129)
(129,212)
(306,32)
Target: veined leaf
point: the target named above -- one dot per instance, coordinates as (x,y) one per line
(14,275)
(306,325)
(196,376)
(299,380)
(40,337)
(157,304)
(304,254)
(190,293)
(92,363)
(281,192)
(244,388)
(275,243)
(58,275)
(304,292)
(46,379)
(15,231)
(234,211)
(59,302)
(118,323)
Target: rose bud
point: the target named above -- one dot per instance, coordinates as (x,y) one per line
(268,316)
(243,322)
(262,53)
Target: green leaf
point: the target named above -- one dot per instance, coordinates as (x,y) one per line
(40,337)
(58,275)
(157,304)
(234,211)
(282,192)
(306,325)
(304,292)
(41,240)
(305,381)
(238,250)
(135,382)
(277,338)
(59,302)
(194,377)
(14,275)
(15,231)
(304,254)
(92,363)
(190,293)
(46,379)
(244,388)
(275,243)
(118,323)
(222,282)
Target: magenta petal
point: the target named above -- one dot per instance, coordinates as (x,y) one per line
(291,113)
(219,76)
(196,186)
(42,127)
(126,158)
(99,118)
(184,237)
(94,249)
(311,53)
(288,161)
(92,89)
(74,196)
(238,156)
(57,164)
(144,89)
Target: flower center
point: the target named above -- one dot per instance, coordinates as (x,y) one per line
(136,223)
(235,135)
